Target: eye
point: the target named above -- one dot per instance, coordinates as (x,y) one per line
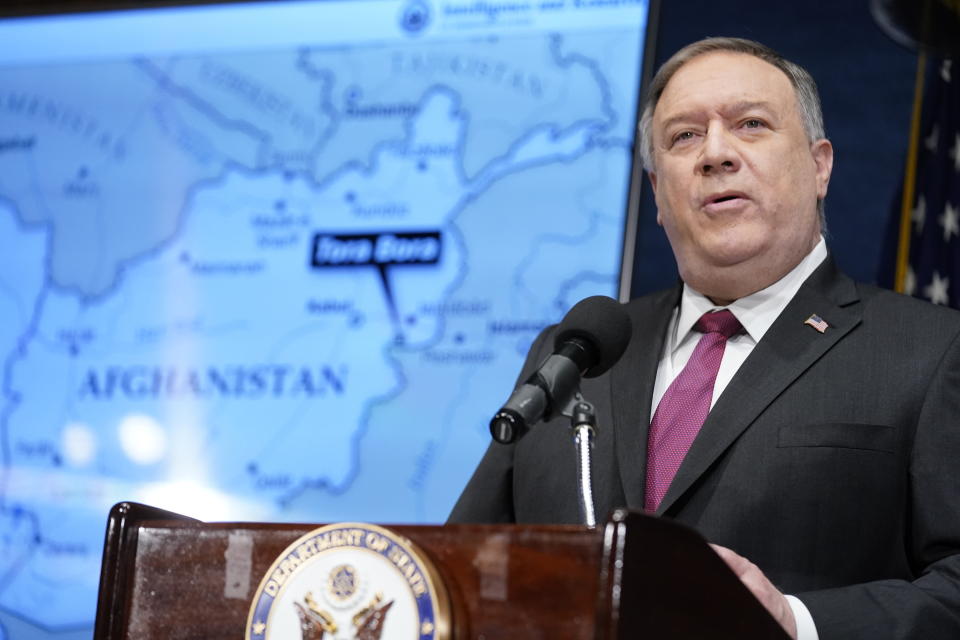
(753,123)
(683,135)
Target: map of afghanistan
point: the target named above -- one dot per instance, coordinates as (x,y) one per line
(289,285)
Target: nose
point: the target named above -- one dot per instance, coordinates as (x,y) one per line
(718,154)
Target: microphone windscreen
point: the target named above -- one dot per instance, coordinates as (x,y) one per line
(602,322)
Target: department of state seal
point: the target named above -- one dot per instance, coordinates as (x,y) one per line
(350,582)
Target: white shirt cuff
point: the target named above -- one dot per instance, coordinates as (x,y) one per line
(806,629)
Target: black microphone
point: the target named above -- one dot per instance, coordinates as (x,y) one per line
(590,339)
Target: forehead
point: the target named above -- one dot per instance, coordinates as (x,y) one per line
(719,79)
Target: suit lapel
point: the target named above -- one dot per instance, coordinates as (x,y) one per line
(631,388)
(788,349)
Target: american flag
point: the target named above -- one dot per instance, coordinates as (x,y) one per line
(928,234)
(817,323)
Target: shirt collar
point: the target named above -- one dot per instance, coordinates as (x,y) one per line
(757,311)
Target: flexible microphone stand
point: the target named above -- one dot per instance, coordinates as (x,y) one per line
(583,424)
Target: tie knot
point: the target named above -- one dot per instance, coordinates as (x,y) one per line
(722,322)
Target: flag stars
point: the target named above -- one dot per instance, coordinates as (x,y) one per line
(930,142)
(910,282)
(950,221)
(936,291)
(956,153)
(931,217)
(919,214)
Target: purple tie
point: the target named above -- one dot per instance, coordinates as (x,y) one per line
(685,405)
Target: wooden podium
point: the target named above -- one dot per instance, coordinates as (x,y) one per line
(168,576)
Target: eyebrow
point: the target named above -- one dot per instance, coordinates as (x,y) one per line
(736,108)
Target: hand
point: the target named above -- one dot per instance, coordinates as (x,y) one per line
(761,588)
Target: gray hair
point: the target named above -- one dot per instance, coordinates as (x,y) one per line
(808,98)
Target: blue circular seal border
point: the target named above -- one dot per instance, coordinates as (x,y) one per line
(433,604)
(415,17)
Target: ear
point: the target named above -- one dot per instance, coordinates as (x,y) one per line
(822,152)
(653,185)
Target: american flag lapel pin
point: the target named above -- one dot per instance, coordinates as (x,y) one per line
(817,323)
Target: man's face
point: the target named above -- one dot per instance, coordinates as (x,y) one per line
(735,178)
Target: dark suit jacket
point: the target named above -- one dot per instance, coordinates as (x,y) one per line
(831,461)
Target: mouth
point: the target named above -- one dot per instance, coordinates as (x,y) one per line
(724,199)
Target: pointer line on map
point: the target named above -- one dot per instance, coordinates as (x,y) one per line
(382,251)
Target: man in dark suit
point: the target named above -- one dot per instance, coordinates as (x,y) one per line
(828,449)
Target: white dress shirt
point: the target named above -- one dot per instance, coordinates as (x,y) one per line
(756,313)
